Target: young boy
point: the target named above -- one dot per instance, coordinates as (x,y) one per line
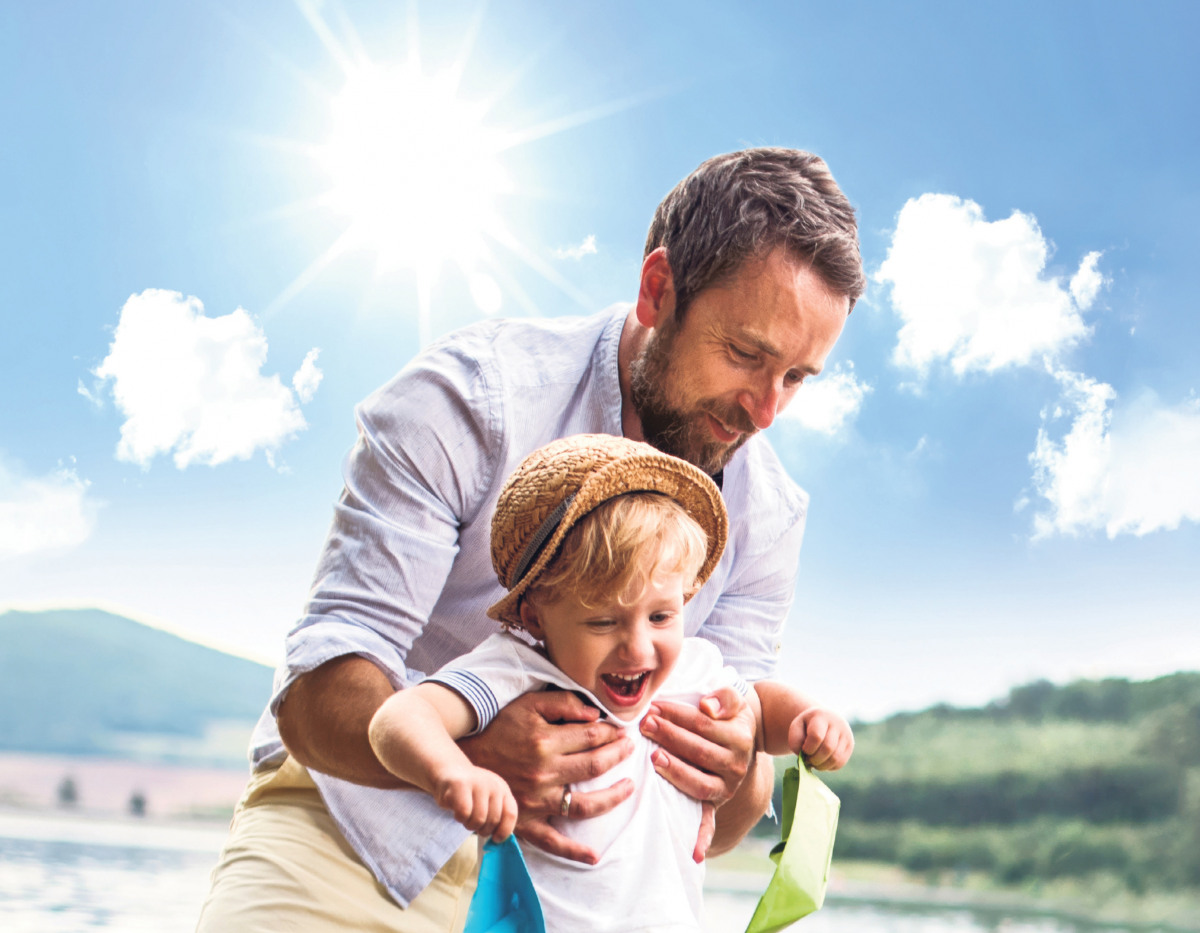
(600,541)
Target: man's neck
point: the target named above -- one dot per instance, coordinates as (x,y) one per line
(633,339)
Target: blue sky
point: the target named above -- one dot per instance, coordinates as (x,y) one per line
(1003,455)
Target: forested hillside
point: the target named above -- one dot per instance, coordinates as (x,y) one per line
(1096,777)
(89,682)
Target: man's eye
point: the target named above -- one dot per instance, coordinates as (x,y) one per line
(743,355)
(794,378)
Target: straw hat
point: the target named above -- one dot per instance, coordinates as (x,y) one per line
(557,485)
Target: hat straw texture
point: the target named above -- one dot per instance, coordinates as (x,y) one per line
(557,485)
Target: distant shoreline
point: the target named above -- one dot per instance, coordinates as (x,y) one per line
(104,786)
(744,872)
(747,871)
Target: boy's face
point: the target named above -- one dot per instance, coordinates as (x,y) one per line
(621,653)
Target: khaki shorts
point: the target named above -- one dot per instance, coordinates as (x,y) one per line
(286,868)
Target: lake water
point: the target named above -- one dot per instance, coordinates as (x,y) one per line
(75,875)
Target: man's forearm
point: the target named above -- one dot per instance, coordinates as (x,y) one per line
(746,807)
(325,715)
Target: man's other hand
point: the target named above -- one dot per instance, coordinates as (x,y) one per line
(541,744)
(706,751)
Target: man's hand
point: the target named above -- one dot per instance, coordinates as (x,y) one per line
(707,753)
(822,737)
(541,743)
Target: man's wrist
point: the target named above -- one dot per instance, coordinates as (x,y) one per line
(746,807)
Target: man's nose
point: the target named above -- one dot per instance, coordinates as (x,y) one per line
(762,404)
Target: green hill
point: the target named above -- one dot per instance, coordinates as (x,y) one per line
(1094,780)
(89,682)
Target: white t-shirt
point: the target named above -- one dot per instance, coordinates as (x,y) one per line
(645,879)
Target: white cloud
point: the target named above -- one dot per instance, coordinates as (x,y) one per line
(1123,468)
(308,377)
(89,395)
(828,403)
(973,292)
(586,248)
(193,385)
(43,513)
(1087,282)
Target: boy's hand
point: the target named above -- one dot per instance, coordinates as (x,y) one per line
(822,737)
(480,800)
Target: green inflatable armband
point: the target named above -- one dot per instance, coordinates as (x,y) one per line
(797,889)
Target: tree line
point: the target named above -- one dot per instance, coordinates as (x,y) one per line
(1096,778)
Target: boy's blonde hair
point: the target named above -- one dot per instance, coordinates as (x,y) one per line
(618,547)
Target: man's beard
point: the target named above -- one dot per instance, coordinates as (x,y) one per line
(682,434)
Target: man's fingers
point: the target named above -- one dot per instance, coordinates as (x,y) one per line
(722,703)
(594,802)
(697,722)
(594,761)
(547,838)
(725,749)
(703,757)
(560,706)
(578,739)
(708,826)
(539,790)
(697,784)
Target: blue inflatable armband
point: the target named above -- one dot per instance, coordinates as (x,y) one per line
(504,900)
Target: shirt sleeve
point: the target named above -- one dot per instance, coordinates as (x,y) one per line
(496,672)
(427,448)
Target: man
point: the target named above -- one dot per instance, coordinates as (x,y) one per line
(751,267)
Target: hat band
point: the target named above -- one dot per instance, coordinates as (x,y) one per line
(545,531)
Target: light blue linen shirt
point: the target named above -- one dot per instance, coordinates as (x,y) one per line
(405,577)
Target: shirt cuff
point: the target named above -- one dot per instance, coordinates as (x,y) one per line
(322,640)
(474,692)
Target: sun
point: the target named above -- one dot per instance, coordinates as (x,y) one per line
(414,169)
(415,172)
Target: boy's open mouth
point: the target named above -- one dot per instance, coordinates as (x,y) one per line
(625,687)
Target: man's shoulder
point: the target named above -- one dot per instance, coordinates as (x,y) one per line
(482,362)
(529,348)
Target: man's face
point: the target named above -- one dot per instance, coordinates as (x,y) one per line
(703,387)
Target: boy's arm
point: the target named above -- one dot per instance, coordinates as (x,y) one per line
(790,722)
(413,734)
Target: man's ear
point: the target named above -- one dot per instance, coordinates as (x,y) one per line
(529,621)
(656,292)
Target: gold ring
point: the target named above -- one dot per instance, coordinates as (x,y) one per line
(565,809)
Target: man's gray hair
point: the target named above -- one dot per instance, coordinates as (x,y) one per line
(742,205)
